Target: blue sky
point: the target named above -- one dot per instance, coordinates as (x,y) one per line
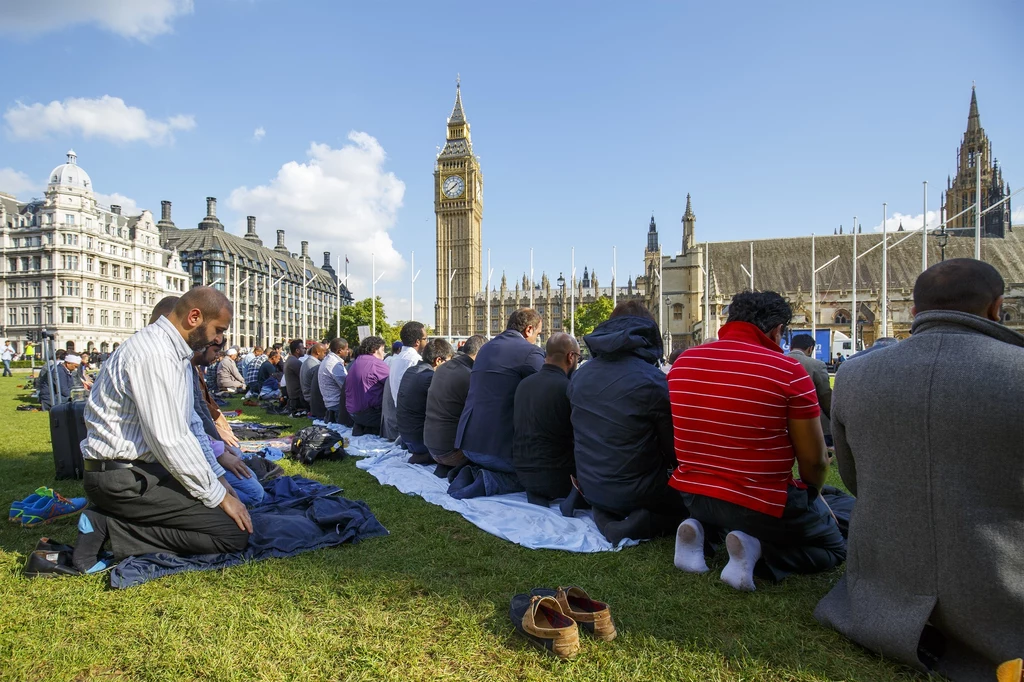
(779,118)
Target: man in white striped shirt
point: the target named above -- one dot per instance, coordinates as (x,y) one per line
(152,488)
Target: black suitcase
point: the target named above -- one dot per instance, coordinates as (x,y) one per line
(67,431)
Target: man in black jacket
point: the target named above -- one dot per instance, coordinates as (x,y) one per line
(292,381)
(412,398)
(622,425)
(542,448)
(445,400)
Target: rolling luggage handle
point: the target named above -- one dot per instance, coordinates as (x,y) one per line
(50,360)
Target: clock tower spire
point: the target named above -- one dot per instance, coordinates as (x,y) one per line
(458,209)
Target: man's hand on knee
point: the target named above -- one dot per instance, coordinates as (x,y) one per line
(233,463)
(237,511)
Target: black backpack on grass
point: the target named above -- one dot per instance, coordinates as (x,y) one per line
(317,442)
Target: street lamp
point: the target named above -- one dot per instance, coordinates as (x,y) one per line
(561,306)
(665,332)
(942,239)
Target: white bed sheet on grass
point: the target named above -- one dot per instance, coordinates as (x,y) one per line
(509,517)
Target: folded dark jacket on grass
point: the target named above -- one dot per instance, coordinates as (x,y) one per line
(298,515)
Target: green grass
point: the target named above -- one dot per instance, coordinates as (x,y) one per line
(429,602)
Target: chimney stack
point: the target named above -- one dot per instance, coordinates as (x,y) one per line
(165,211)
(327,266)
(250,231)
(210,222)
(280,237)
(281,248)
(211,207)
(327,258)
(305,250)
(115,209)
(165,224)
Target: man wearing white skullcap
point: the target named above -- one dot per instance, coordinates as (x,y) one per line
(64,381)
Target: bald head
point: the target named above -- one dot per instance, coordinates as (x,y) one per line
(962,284)
(562,350)
(163,308)
(318,350)
(202,316)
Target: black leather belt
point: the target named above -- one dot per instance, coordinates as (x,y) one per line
(107,464)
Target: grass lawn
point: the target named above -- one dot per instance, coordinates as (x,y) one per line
(429,602)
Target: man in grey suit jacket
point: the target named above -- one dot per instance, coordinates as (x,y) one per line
(802,348)
(929,435)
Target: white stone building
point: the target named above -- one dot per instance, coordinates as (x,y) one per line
(82,270)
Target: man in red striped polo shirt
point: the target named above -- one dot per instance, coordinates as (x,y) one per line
(742,411)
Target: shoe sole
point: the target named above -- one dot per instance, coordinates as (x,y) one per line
(44,522)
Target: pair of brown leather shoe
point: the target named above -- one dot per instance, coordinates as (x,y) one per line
(550,619)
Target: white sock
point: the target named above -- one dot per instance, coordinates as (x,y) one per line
(690,547)
(744,551)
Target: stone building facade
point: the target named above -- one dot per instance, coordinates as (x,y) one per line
(269,287)
(80,269)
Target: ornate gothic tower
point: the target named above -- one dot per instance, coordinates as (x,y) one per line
(975,149)
(458,207)
(652,265)
(689,227)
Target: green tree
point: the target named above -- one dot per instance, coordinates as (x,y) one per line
(352,316)
(589,315)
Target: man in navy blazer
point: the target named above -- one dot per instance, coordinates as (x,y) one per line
(485,428)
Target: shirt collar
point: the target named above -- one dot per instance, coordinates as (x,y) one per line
(409,350)
(745,332)
(180,345)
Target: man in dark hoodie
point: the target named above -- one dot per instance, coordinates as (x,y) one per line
(622,425)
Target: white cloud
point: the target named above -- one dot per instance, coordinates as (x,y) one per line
(17,183)
(106,117)
(909,222)
(340,200)
(128,205)
(138,19)
(259,134)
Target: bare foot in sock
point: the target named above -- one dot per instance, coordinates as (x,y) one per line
(744,552)
(690,547)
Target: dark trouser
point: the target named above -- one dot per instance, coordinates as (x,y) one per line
(7,369)
(449,458)
(415,447)
(339,415)
(499,475)
(549,483)
(148,511)
(367,422)
(655,516)
(805,540)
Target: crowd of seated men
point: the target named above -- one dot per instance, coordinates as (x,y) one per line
(928,433)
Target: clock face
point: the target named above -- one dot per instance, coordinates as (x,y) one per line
(453,186)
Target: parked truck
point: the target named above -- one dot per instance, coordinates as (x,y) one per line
(829,343)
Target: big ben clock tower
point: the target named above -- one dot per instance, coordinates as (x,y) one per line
(458,207)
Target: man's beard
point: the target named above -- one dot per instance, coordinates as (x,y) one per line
(197,337)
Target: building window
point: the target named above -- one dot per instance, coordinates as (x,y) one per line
(104,292)
(115,271)
(69,239)
(12,316)
(12,265)
(104,318)
(128,320)
(49,287)
(90,263)
(103,269)
(71,315)
(117,318)
(117,294)
(68,262)
(23,286)
(90,316)
(37,316)
(842,317)
(36,289)
(677,311)
(127,273)
(69,219)
(12,291)
(127,295)
(49,314)
(90,290)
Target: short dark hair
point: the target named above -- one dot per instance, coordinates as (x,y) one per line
(163,308)
(438,349)
(802,342)
(473,345)
(963,284)
(632,308)
(370,345)
(295,345)
(411,333)
(675,356)
(60,354)
(523,318)
(766,310)
(338,344)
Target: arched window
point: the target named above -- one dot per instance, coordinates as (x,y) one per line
(842,317)
(1006,315)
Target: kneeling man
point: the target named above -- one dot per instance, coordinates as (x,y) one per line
(412,397)
(930,438)
(145,473)
(742,413)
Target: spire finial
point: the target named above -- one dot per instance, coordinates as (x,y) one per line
(973,119)
(458,116)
